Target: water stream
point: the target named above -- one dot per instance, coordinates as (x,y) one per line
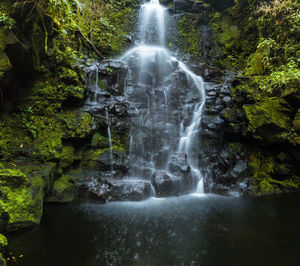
(110,142)
(168,100)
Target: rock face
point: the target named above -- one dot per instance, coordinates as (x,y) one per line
(187,6)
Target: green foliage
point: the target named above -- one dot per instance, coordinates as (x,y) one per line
(3,241)
(6,21)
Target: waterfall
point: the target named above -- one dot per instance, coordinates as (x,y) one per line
(168,100)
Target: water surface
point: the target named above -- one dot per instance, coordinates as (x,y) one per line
(186,230)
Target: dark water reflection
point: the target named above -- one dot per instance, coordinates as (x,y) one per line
(177,231)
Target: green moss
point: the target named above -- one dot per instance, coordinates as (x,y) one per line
(93,155)
(23,201)
(3,242)
(265,179)
(13,177)
(296,122)
(189,34)
(63,190)
(68,156)
(5,38)
(229,34)
(268,112)
(22,186)
(100,141)
(4,63)
(2,260)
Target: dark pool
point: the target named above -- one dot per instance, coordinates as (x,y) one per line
(187,230)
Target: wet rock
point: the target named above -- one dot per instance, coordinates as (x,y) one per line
(101,190)
(229,114)
(113,75)
(189,6)
(209,73)
(123,190)
(162,184)
(240,167)
(119,109)
(178,163)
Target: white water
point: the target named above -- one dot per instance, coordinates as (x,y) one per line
(110,142)
(153,68)
(152,21)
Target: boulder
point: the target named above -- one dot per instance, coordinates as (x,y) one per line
(100,190)
(162,184)
(22,194)
(63,190)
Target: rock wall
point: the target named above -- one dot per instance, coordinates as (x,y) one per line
(46,131)
(250,139)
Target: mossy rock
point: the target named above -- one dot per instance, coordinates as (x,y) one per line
(265,177)
(296,122)
(68,156)
(3,242)
(13,177)
(4,63)
(63,190)
(24,204)
(268,119)
(22,191)
(2,260)
(6,38)
(99,141)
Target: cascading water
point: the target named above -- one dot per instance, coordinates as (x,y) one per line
(167,100)
(110,142)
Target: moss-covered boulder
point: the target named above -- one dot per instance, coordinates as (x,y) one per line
(269,175)
(3,245)
(6,37)
(63,190)
(22,190)
(296,122)
(268,119)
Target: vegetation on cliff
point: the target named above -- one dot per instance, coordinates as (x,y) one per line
(259,41)
(43,48)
